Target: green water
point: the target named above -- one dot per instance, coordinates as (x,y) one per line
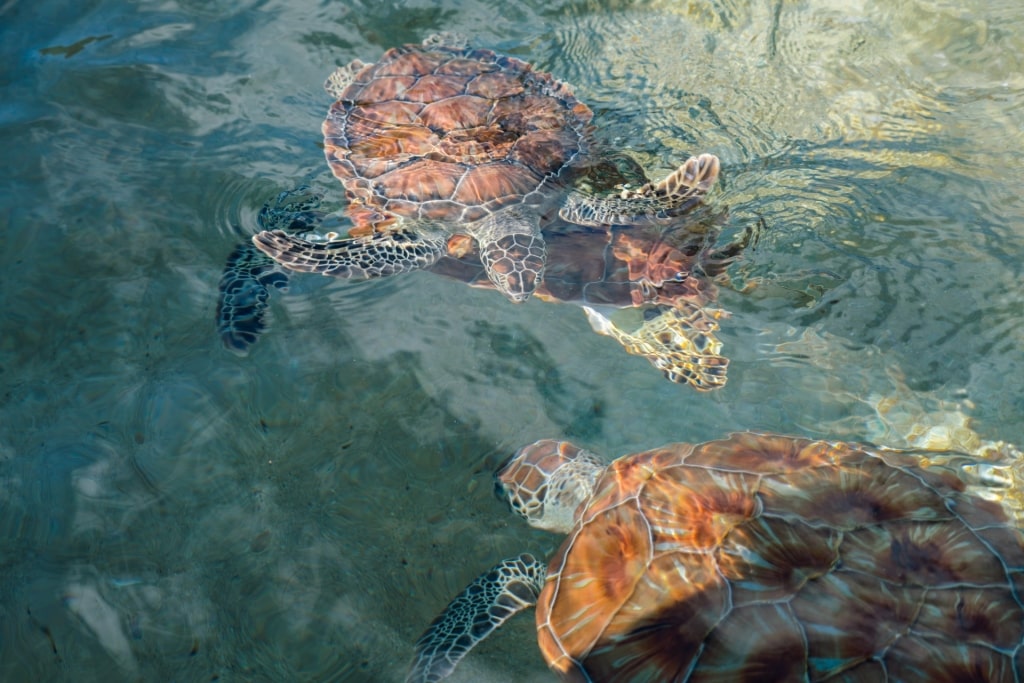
(170,511)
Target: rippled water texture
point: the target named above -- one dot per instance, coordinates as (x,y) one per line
(170,511)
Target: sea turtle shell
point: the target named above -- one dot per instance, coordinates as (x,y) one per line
(447,133)
(764,557)
(618,267)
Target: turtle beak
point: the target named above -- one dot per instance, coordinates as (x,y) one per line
(518,297)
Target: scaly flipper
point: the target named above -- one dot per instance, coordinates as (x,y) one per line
(677,193)
(375,255)
(249,275)
(680,342)
(504,590)
(244,289)
(342,77)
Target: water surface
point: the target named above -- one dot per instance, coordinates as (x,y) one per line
(171,511)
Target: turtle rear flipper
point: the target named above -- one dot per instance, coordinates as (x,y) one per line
(674,195)
(504,590)
(342,77)
(680,342)
(378,254)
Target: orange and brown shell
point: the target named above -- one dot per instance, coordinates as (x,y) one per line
(449,133)
(764,557)
(619,267)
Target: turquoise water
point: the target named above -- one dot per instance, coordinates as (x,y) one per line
(170,511)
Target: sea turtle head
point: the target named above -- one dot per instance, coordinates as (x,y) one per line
(515,264)
(547,481)
(512,250)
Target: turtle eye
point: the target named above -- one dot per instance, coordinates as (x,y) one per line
(680,276)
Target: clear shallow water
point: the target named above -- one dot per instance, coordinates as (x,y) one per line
(173,512)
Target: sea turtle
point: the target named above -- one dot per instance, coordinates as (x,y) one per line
(758,557)
(669,273)
(438,140)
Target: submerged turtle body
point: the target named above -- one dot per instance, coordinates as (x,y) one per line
(758,557)
(437,141)
(616,267)
(669,273)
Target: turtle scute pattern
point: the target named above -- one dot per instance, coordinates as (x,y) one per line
(764,557)
(447,133)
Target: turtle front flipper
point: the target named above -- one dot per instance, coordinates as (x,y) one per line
(658,202)
(512,250)
(244,290)
(378,254)
(502,591)
(680,342)
(249,275)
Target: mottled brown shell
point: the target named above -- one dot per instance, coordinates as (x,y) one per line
(622,267)
(448,133)
(773,558)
